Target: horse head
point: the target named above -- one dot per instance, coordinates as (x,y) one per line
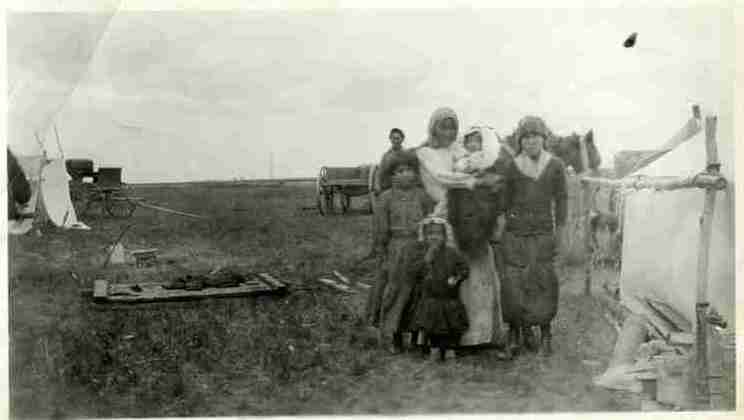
(569,150)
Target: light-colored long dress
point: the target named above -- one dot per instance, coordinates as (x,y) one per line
(480,293)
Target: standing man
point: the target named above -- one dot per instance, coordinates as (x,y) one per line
(383,180)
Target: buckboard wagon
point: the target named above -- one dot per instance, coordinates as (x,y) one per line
(103,187)
(337,185)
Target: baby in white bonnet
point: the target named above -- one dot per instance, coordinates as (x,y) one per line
(471,155)
(471,158)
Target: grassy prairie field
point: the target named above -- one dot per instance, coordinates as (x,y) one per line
(304,353)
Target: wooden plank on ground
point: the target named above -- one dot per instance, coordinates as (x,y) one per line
(664,327)
(341,277)
(153,292)
(670,314)
(271,281)
(681,338)
(156,292)
(335,285)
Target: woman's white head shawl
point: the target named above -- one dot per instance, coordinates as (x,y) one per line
(433,220)
(438,116)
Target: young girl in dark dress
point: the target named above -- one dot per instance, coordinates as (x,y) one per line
(440,314)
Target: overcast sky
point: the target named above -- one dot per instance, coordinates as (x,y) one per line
(177,96)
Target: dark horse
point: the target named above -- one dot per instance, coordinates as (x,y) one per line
(473,214)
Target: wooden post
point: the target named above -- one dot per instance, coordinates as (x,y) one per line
(702,391)
(586,210)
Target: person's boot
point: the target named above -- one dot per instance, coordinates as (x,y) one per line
(530,343)
(513,344)
(546,346)
(435,355)
(425,351)
(397,344)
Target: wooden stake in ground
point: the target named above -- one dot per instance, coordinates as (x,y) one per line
(113,245)
(702,389)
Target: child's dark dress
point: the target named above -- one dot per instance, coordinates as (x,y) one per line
(440,311)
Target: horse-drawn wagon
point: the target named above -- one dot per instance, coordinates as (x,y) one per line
(103,187)
(337,185)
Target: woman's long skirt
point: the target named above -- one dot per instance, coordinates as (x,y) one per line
(481,295)
(530,284)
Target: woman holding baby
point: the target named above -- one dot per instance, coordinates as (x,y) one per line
(455,193)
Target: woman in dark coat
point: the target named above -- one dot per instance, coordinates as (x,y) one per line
(19,190)
(535,204)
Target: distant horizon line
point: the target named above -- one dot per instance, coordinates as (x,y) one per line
(235,180)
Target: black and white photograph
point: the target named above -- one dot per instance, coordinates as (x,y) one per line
(387,208)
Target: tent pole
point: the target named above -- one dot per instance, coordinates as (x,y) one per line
(702,391)
(59,144)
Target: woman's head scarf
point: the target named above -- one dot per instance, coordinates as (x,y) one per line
(437,117)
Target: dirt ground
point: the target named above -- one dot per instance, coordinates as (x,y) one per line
(304,353)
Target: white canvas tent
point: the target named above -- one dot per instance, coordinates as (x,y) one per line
(50,196)
(661,233)
(678,249)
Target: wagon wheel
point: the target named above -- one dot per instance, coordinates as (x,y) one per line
(118,206)
(77,196)
(326,201)
(330,200)
(322,203)
(321,200)
(83,196)
(345,200)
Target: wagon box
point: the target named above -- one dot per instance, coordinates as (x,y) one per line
(337,185)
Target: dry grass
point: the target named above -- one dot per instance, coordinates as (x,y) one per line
(73,358)
(303,353)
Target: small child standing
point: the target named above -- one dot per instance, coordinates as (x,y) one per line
(392,301)
(440,313)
